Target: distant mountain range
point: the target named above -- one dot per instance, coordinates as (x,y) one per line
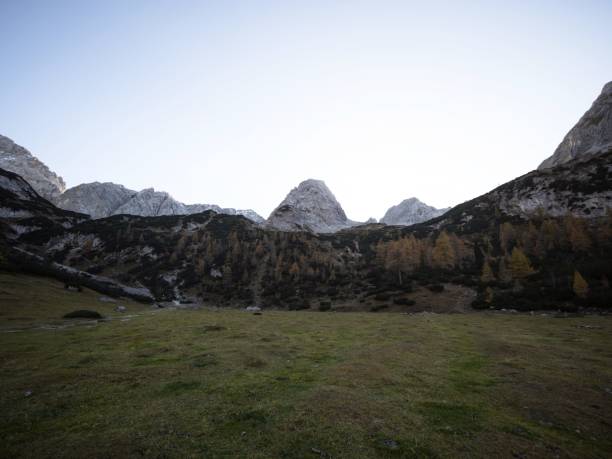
(311,206)
(542,240)
(97,199)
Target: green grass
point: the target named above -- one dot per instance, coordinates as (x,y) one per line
(225,383)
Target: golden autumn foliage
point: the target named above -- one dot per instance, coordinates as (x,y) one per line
(579,285)
(520,267)
(577,235)
(443,255)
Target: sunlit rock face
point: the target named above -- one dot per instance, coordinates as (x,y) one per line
(15,158)
(105,199)
(409,212)
(311,206)
(592,134)
(96,199)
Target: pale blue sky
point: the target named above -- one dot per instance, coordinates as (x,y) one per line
(234,103)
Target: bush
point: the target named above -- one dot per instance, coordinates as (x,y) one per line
(298,305)
(378,307)
(324,305)
(436,288)
(382,297)
(83,314)
(404,302)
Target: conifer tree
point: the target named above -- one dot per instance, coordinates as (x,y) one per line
(506,236)
(487,273)
(520,266)
(294,271)
(576,234)
(580,286)
(504,273)
(443,255)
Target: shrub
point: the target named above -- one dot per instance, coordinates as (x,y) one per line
(378,307)
(83,314)
(324,305)
(404,302)
(436,288)
(382,297)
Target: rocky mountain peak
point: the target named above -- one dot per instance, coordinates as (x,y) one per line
(409,212)
(311,206)
(15,158)
(590,136)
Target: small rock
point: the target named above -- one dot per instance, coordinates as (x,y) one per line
(120,309)
(107,299)
(253,309)
(391,444)
(28,393)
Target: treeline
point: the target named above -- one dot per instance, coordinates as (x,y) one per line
(561,258)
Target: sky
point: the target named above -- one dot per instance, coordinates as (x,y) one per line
(234,103)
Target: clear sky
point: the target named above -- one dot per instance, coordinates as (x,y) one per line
(235,103)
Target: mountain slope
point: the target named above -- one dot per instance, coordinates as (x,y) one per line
(581,188)
(23,210)
(409,212)
(590,136)
(17,159)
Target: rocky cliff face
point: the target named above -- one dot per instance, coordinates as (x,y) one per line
(96,199)
(310,207)
(592,134)
(151,203)
(411,211)
(102,200)
(17,159)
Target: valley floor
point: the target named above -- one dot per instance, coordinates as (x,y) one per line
(226,383)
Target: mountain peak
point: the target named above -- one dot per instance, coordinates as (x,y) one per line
(17,159)
(409,212)
(590,136)
(311,206)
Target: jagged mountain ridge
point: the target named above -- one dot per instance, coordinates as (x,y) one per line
(17,159)
(409,212)
(102,200)
(99,200)
(590,136)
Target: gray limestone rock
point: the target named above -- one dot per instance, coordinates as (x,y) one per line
(592,134)
(151,203)
(15,158)
(310,207)
(411,211)
(96,199)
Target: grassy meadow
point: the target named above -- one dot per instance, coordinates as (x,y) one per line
(226,383)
